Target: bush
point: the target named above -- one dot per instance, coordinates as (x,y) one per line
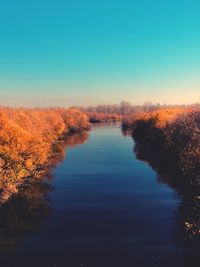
(29,138)
(176,132)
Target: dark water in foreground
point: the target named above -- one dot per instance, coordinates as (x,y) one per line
(103,208)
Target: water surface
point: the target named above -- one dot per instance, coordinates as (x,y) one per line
(104,207)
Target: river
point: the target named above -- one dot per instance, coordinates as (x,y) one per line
(102,207)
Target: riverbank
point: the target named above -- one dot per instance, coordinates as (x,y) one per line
(169,140)
(175,133)
(29,141)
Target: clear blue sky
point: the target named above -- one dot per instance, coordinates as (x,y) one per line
(64,52)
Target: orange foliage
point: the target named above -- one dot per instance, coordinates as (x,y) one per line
(28,139)
(161,117)
(176,132)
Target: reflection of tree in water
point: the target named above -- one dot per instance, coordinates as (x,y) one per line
(166,167)
(29,208)
(77,139)
(127,132)
(168,172)
(71,140)
(23,213)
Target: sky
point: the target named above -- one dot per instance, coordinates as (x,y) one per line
(87,52)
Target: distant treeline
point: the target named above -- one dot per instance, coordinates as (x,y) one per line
(125,108)
(29,141)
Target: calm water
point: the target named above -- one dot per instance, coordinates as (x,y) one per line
(102,208)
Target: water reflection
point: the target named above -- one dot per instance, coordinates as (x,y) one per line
(30,207)
(23,213)
(72,141)
(188,215)
(106,210)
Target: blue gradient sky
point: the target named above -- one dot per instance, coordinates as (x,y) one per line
(61,52)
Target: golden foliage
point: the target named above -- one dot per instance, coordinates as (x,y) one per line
(28,140)
(161,117)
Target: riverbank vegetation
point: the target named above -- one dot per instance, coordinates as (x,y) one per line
(29,209)
(169,140)
(29,141)
(176,132)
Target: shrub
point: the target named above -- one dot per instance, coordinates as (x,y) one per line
(29,138)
